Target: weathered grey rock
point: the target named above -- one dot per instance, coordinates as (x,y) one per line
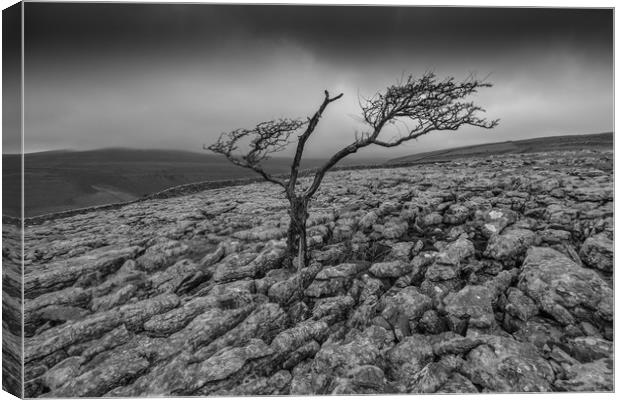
(540,332)
(126,274)
(224,337)
(368,220)
(293,338)
(333,308)
(434,375)
(342,359)
(390,269)
(161,255)
(519,305)
(61,314)
(212,258)
(404,308)
(169,279)
(62,372)
(326,288)
(456,252)
(121,296)
(304,352)
(437,290)
(431,322)
(72,296)
(200,335)
(457,383)
(456,214)
(598,252)
(264,322)
(282,292)
(392,229)
(272,277)
(470,307)
(401,251)
(561,288)
(596,376)
(111,372)
(225,363)
(452,343)
(132,315)
(108,341)
(408,357)
(503,364)
(586,349)
(554,236)
(347,270)
(235,267)
(509,245)
(88,268)
(492,222)
(442,272)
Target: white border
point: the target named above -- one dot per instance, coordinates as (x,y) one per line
(461,3)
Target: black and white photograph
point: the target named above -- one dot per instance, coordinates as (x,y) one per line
(245,199)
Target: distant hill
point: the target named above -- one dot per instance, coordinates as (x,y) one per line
(62,180)
(550,143)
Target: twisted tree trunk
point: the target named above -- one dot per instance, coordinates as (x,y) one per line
(296,241)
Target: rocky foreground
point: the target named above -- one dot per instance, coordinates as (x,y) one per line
(481,275)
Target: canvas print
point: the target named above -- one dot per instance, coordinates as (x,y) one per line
(249,200)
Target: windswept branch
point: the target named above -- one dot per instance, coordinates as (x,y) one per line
(264,139)
(426,103)
(312,123)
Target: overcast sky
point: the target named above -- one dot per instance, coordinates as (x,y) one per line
(176,76)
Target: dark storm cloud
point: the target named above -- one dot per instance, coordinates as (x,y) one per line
(11,79)
(176,75)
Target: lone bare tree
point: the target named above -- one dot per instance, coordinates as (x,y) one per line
(423,104)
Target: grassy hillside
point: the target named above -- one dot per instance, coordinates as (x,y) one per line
(64,180)
(551,143)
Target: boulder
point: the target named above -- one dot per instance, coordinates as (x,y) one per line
(470,307)
(404,308)
(390,269)
(509,245)
(401,251)
(88,269)
(492,222)
(408,357)
(586,348)
(343,359)
(169,279)
(114,370)
(595,376)
(431,219)
(434,375)
(452,343)
(117,298)
(564,290)
(432,323)
(457,383)
(161,255)
(456,214)
(541,332)
(598,252)
(502,364)
(519,305)
(456,252)
(132,315)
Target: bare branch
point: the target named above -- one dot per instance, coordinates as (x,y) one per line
(430,104)
(312,123)
(264,139)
